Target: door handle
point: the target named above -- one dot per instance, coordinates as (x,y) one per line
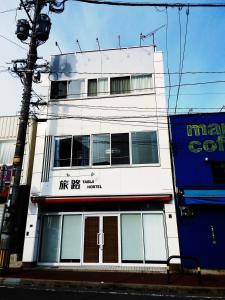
(98,239)
(103,239)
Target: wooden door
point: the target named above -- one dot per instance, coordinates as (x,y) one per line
(91,234)
(110,239)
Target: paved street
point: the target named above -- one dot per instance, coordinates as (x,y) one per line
(25,293)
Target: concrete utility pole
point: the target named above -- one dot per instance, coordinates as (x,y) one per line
(38,30)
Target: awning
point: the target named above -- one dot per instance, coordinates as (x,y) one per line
(204,197)
(54,200)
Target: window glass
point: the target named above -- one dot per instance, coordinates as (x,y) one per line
(144,148)
(92,87)
(101,149)
(154,237)
(102,86)
(81,150)
(76,88)
(141,83)
(50,239)
(131,237)
(62,152)
(71,238)
(218,171)
(120,85)
(120,149)
(58,89)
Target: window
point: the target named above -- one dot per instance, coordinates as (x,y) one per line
(76,89)
(58,89)
(144,148)
(120,85)
(62,152)
(67,89)
(131,236)
(107,149)
(143,238)
(101,149)
(97,87)
(50,239)
(92,87)
(120,149)
(81,150)
(141,83)
(218,172)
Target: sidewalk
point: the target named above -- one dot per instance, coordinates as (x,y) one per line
(186,284)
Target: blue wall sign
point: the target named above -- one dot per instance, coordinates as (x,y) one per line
(199,149)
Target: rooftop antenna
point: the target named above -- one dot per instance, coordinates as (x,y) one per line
(57,45)
(119,41)
(97,40)
(145,36)
(79,45)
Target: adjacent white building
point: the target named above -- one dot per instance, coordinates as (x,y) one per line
(102,189)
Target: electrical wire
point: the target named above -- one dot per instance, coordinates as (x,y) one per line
(183,56)
(136,73)
(167,60)
(9,10)
(7,39)
(150,4)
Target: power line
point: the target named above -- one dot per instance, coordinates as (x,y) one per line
(136,73)
(183,55)
(7,39)
(167,58)
(144,4)
(9,10)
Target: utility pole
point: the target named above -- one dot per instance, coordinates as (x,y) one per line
(37,29)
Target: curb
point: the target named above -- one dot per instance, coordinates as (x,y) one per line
(79,286)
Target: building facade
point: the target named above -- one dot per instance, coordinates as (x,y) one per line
(102,189)
(198,142)
(8,136)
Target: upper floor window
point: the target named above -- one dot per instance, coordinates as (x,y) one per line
(67,89)
(81,150)
(107,149)
(144,147)
(62,156)
(58,89)
(120,85)
(141,83)
(97,87)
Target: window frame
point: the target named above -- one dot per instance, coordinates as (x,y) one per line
(91,165)
(158,148)
(97,81)
(54,151)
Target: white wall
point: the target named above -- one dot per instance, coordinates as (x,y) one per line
(143,112)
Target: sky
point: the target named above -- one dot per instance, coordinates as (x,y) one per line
(201,47)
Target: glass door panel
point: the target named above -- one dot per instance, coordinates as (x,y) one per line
(71,238)
(50,239)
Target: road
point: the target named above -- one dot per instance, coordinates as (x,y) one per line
(34,293)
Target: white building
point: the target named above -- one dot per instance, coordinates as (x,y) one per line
(102,190)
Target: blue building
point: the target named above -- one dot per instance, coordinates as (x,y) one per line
(198,146)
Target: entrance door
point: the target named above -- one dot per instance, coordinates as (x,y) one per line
(101,239)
